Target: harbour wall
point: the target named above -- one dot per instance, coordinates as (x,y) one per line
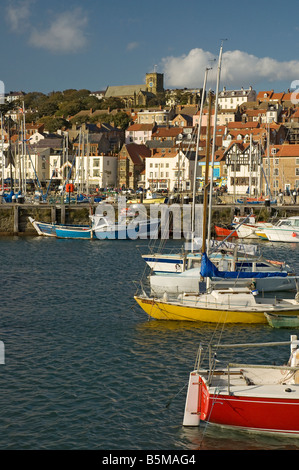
(14,218)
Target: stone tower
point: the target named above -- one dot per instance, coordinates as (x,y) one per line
(154,82)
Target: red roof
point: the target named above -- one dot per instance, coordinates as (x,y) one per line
(285,150)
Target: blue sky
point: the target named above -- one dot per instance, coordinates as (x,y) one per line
(56,45)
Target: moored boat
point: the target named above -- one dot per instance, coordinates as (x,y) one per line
(246,397)
(280,278)
(72,232)
(49,229)
(286,231)
(281,321)
(225,232)
(230,305)
(131,224)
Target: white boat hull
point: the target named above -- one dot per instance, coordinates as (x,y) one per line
(182,282)
(282,235)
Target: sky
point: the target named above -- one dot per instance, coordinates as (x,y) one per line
(56,45)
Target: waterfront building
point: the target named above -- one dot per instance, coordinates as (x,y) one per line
(172,170)
(281,164)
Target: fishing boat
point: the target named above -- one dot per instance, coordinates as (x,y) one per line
(249,229)
(245,397)
(286,230)
(49,230)
(281,321)
(131,224)
(225,232)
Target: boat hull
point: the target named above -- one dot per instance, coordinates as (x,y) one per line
(282,235)
(49,230)
(132,231)
(281,321)
(74,234)
(225,232)
(178,283)
(250,230)
(262,409)
(161,310)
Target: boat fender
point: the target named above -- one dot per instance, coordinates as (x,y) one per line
(297,297)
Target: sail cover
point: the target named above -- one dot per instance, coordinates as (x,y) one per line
(208,269)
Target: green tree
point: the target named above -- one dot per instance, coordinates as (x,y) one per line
(52,124)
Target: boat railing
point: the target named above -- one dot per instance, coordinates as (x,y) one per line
(294,343)
(281,369)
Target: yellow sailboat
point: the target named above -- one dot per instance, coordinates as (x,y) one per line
(231,305)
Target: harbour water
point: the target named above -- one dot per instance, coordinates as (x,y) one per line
(85,368)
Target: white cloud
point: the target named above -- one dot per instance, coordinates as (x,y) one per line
(65,34)
(238,68)
(18,14)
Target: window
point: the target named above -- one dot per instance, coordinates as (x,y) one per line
(297,171)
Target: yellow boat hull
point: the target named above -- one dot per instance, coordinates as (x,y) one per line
(171,311)
(160,200)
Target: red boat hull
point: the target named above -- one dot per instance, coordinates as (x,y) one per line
(224,232)
(251,413)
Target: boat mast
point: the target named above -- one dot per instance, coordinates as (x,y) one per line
(196,158)
(205,197)
(214,142)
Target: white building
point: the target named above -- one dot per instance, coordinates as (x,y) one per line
(91,172)
(161,117)
(174,171)
(231,99)
(139,133)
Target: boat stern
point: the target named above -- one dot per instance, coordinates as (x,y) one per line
(197,400)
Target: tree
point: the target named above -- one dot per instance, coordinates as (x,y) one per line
(52,124)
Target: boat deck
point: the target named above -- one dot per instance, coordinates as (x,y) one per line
(256,382)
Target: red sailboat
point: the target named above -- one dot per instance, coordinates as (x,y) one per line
(257,398)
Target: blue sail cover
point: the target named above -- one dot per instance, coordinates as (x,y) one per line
(208,269)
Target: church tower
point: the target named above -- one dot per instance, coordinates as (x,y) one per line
(154,82)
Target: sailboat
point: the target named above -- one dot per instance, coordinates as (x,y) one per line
(246,397)
(228,305)
(188,280)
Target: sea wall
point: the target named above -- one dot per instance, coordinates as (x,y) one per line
(14,218)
